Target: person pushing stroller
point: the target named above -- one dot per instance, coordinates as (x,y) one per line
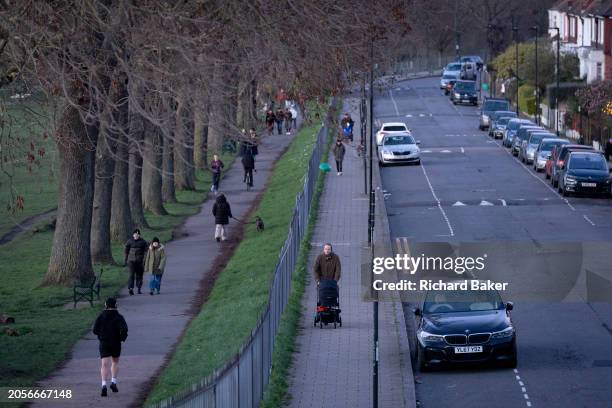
(327,271)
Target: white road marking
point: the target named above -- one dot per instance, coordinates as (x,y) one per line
(421,115)
(445,151)
(394,104)
(526,396)
(425,151)
(408,116)
(521,383)
(523,388)
(483,202)
(433,193)
(458,204)
(503,202)
(528,403)
(462,150)
(589,220)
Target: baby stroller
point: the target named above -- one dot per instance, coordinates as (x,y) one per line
(347,131)
(328,306)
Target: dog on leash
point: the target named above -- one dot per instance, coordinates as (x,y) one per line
(259,223)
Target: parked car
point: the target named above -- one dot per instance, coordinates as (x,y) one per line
(446,78)
(544,151)
(561,159)
(512,128)
(552,159)
(585,172)
(489,106)
(390,128)
(521,135)
(454,68)
(529,147)
(469,71)
(496,115)
(472,58)
(463,326)
(398,148)
(464,91)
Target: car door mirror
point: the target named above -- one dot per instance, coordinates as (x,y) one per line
(417,311)
(509,306)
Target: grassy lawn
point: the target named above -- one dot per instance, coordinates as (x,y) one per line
(241,291)
(48,330)
(36,183)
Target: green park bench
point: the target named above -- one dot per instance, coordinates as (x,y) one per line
(85,290)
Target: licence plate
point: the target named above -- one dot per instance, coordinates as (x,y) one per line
(468,349)
(589,184)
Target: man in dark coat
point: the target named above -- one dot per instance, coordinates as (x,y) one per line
(339,151)
(280,117)
(248,162)
(327,265)
(135,250)
(222,212)
(112,330)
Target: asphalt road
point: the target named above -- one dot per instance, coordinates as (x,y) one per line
(555,252)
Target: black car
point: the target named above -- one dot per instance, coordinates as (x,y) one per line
(561,159)
(585,172)
(461,326)
(464,91)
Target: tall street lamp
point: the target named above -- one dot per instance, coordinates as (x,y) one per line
(516,76)
(557,73)
(537,84)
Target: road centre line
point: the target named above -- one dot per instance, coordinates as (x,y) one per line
(394,104)
(433,193)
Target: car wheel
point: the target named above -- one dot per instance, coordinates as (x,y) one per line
(554,183)
(418,162)
(480,127)
(564,192)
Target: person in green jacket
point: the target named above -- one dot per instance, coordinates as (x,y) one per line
(155,262)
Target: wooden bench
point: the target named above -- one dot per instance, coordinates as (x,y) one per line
(85,290)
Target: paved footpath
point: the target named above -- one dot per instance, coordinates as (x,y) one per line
(156,322)
(333,367)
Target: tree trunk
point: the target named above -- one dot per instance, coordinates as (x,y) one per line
(200,133)
(121,216)
(168,190)
(253,110)
(71,252)
(184,177)
(151,174)
(217,122)
(135,172)
(101,250)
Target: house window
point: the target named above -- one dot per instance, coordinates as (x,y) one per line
(594,31)
(599,73)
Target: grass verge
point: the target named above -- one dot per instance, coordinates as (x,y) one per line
(241,291)
(285,338)
(47,328)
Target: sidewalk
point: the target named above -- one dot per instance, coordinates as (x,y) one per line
(157,322)
(333,367)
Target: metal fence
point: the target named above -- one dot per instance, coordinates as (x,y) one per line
(242,381)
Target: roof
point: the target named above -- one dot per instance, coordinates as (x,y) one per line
(584,7)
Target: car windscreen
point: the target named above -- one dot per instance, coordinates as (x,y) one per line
(449,76)
(451,301)
(492,106)
(548,146)
(536,139)
(584,161)
(465,86)
(394,128)
(453,67)
(515,124)
(398,140)
(503,121)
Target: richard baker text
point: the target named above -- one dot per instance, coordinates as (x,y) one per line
(428,284)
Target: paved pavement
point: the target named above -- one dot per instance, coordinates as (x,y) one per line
(156,322)
(469,191)
(333,367)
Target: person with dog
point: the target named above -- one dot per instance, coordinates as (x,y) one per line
(222,213)
(327,265)
(135,250)
(155,262)
(112,330)
(339,151)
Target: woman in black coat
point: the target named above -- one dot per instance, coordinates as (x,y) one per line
(222,212)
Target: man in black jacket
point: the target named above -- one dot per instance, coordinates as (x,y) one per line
(222,212)
(111,329)
(135,250)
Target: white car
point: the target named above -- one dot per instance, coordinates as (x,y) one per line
(454,68)
(390,128)
(399,148)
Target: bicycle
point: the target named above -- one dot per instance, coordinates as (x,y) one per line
(249,179)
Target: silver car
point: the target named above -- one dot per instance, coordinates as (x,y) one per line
(446,78)
(521,136)
(399,148)
(544,151)
(530,145)
(511,129)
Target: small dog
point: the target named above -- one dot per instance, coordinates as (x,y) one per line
(259,224)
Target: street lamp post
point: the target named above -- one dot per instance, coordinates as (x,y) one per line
(558,73)
(537,85)
(515,32)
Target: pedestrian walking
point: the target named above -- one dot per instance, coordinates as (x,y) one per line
(222,212)
(294,116)
(270,119)
(135,250)
(327,265)
(288,120)
(280,117)
(216,165)
(112,330)
(248,163)
(155,263)
(339,152)
(254,143)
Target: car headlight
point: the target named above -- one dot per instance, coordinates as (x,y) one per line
(485,118)
(503,334)
(457,95)
(386,152)
(569,179)
(425,336)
